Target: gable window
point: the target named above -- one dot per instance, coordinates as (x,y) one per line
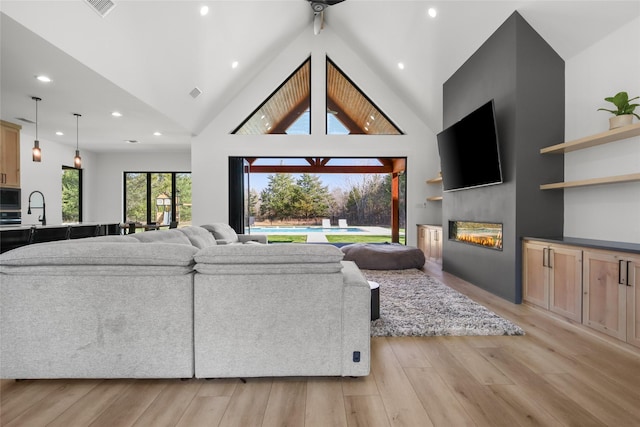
(352,108)
(288,109)
(285,107)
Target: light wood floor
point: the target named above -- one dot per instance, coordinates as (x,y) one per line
(557,374)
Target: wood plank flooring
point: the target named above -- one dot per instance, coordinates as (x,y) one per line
(558,374)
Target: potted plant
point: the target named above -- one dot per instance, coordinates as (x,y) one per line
(623,116)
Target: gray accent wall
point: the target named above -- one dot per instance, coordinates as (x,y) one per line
(525,77)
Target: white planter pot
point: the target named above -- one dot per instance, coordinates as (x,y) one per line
(620,121)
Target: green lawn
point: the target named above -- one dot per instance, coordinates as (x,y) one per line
(356,238)
(332,238)
(287,238)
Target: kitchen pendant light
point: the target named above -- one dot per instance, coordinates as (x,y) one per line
(36,153)
(77,160)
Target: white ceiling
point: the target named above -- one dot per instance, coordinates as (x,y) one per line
(145,56)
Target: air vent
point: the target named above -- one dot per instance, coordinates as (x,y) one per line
(22,119)
(102,7)
(195,92)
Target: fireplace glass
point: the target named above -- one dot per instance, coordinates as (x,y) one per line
(485,234)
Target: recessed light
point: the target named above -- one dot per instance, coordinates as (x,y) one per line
(204,10)
(43,78)
(157,134)
(59,133)
(131,141)
(401,65)
(432,12)
(234,64)
(116,114)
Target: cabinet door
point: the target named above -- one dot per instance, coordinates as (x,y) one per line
(604,299)
(10,155)
(535,282)
(565,282)
(438,244)
(633,301)
(422,240)
(435,243)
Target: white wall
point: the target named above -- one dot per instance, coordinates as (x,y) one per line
(109,171)
(102,178)
(606,212)
(212,148)
(46,177)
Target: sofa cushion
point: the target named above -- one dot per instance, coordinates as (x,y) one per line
(281,253)
(198,236)
(99,254)
(162,236)
(222,232)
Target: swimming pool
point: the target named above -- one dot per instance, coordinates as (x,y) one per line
(304,230)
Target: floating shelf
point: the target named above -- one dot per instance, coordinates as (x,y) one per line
(437,180)
(594,140)
(593,181)
(434,198)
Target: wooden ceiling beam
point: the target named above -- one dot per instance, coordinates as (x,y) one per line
(320,169)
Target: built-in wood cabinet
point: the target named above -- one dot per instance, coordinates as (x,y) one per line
(611,303)
(10,155)
(591,284)
(430,242)
(552,278)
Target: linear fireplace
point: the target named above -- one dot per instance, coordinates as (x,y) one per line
(485,234)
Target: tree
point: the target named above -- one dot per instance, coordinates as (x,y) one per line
(311,198)
(70,195)
(278,198)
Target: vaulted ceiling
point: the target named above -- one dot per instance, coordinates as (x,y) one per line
(145,57)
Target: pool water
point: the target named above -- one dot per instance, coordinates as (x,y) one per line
(278,230)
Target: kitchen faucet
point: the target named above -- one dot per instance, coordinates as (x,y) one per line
(43,218)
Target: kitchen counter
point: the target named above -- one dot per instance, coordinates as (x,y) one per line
(14,236)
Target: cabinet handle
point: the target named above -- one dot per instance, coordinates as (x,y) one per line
(544,257)
(549,258)
(622,280)
(628,281)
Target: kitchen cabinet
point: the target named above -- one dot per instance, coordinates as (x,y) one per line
(10,155)
(611,303)
(552,278)
(430,242)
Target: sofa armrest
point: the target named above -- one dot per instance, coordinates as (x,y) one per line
(260,238)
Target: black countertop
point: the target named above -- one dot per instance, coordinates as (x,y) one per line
(591,243)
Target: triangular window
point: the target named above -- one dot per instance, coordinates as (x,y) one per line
(284,110)
(351,107)
(288,109)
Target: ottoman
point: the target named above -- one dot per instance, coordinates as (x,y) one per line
(383,256)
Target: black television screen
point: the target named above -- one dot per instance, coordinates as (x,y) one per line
(469,153)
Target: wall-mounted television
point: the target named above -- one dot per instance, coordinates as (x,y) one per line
(469,151)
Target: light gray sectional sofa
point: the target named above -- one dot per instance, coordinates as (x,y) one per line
(174,304)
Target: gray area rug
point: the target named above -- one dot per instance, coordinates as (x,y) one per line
(413,303)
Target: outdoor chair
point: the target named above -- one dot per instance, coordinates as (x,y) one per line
(342,223)
(326,223)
